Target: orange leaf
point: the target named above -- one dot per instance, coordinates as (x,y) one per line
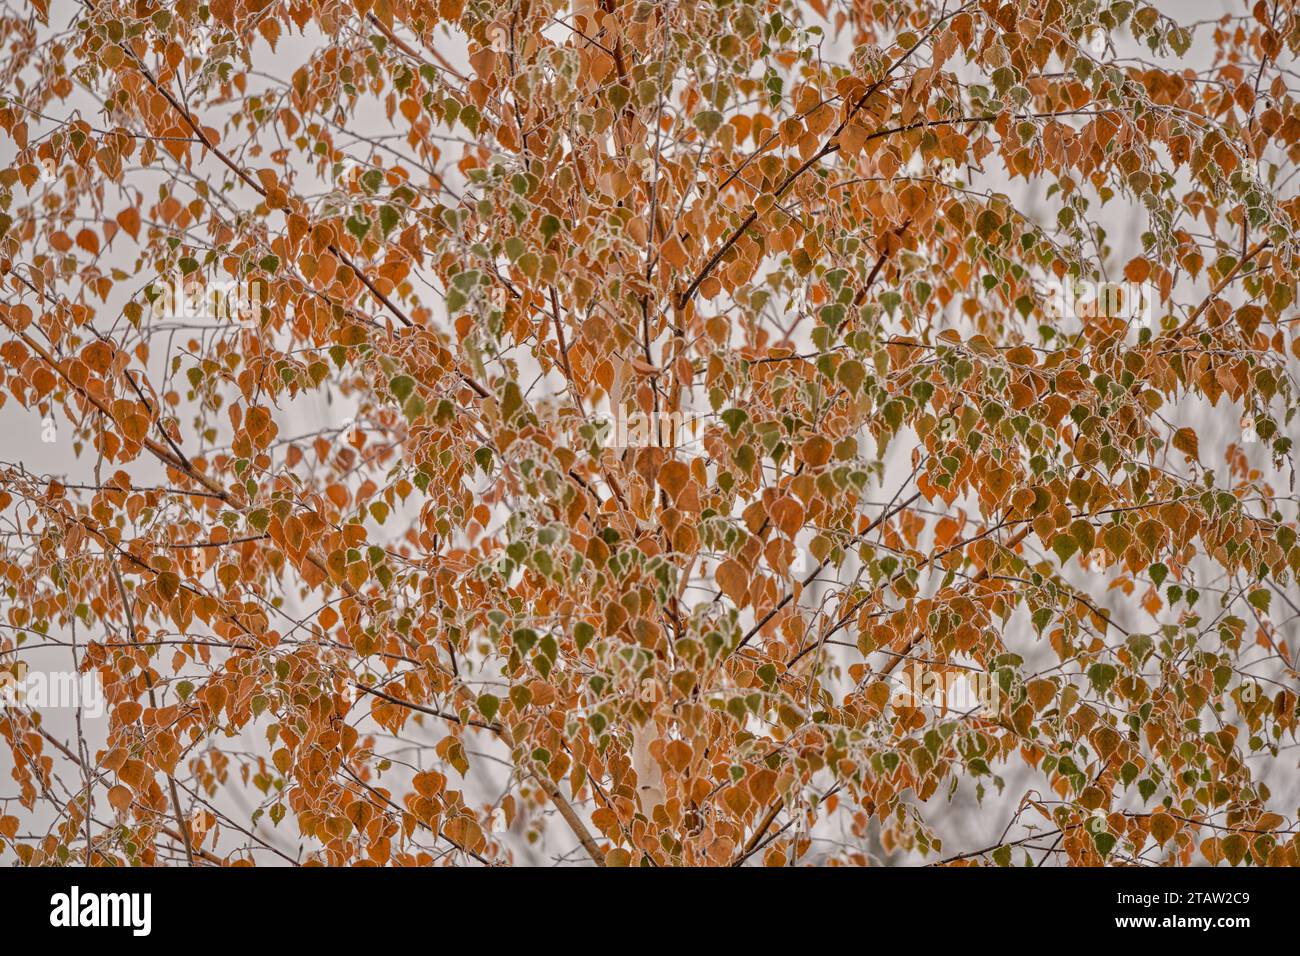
(787,515)
(734,580)
(673,477)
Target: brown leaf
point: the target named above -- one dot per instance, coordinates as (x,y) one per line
(1185,440)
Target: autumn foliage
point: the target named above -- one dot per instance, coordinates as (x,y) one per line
(638,420)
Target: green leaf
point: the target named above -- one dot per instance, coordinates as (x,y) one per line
(1064,545)
(618,96)
(402,386)
(851,375)
(512,400)
(708,121)
(1102,676)
(1003,79)
(733,418)
(413,408)
(524,639)
(359,226)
